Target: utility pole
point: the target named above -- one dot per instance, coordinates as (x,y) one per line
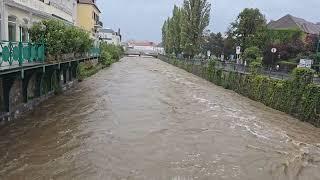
(318,50)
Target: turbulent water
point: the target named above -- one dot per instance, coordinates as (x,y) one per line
(143,119)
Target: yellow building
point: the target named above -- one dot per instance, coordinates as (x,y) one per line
(88,15)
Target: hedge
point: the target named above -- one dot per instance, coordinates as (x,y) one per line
(298,96)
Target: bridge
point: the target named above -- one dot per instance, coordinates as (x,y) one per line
(135,52)
(27,76)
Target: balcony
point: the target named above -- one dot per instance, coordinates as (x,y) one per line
(98,24)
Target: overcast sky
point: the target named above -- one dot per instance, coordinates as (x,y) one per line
(143,19)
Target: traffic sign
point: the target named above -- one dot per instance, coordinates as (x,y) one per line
(238,50)
(208,53)
(274,50)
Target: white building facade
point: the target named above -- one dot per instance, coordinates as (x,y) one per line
(110,36)
(19,15)
(143,46)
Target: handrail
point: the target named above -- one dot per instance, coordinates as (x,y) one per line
(21,52)
(27,52)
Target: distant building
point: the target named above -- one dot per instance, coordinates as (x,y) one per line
(16,15)
(145,47)
(291,22)
(110,36)
(159,48)
(142,45)
(88,16)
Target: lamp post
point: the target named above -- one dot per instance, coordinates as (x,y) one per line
(318,48)
(273,51)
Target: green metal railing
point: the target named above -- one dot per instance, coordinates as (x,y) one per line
(94,52)
(21,52)
(27,52)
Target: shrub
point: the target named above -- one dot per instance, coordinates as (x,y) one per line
(255,67)
(61,38)
(297,96)
(303,75)
(110,53)
(87,69)
(252,54)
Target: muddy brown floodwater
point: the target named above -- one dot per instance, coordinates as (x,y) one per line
(143,119)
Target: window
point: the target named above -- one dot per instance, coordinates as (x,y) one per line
(12,28)
(25,30)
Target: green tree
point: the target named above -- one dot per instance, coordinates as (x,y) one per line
(252,54)
(214,43)
(169,37)
(164,34)
(245,28)
(60,38)
(196,14)
(229,43)
(175,30)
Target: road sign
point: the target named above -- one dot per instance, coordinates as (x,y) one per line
(238,50)
(222,57)
(306,63)
(274,50)
(208,53)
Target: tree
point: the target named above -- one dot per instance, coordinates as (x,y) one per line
(169,37)
(245,28)
(214,43)
(175,30)
(312,41)
(164,34)
(229,43)
(60,38)
(196,14)
(252,54)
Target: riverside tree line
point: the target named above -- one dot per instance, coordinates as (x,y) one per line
(186,34)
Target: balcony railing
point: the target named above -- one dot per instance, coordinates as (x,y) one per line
(94,52)
(98,24)
(21,52)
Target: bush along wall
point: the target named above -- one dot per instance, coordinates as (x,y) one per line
(109,55)
(297,96)
(60,39)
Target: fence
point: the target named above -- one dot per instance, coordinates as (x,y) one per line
(21,52)
(230,66)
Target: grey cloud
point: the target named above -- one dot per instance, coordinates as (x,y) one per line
(142,19)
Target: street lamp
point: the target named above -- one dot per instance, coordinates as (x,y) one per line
(273,51)
(318,48)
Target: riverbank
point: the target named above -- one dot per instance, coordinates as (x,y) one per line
(297,96)
(109,55)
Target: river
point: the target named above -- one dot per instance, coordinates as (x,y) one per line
(143,119)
